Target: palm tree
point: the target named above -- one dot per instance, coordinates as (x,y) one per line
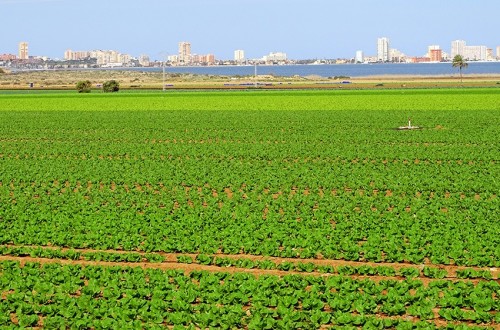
(460,63)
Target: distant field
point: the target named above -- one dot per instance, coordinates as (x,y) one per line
(250,209)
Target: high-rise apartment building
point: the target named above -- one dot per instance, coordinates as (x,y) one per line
(184,52)
(383,50)
(68,55)
(239,55)
(489,54)
(23,51)
(457,48)
(360,57)
(210,59)
(436,55)
(498,52)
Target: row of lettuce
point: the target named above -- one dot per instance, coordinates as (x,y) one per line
(290,223)
(95,296)
(247,263)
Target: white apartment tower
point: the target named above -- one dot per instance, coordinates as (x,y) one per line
(239,55)
(184,52)
(23,51)
(457,48)
(360,58)
(383,50)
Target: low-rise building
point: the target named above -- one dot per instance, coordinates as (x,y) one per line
(8,57)
(275,57)
(423,59)
(144,60)
(396,55)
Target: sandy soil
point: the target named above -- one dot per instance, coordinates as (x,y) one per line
(66,79)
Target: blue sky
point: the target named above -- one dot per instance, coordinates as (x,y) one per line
(300,28)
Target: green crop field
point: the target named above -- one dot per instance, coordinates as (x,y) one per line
(250,209)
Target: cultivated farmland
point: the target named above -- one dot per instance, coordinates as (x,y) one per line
(255,209)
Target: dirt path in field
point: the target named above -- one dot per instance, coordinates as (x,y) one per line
(171,259)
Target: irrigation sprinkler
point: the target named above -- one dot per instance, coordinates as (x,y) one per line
(409,127)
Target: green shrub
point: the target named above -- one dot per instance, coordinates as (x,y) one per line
(111,86)
(83,86)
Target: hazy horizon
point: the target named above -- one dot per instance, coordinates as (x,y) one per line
(302,29)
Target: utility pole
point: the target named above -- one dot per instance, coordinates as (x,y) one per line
(163,74)
(255,73)
(164,56)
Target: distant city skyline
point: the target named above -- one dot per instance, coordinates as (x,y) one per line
(385,53)
(301,29)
